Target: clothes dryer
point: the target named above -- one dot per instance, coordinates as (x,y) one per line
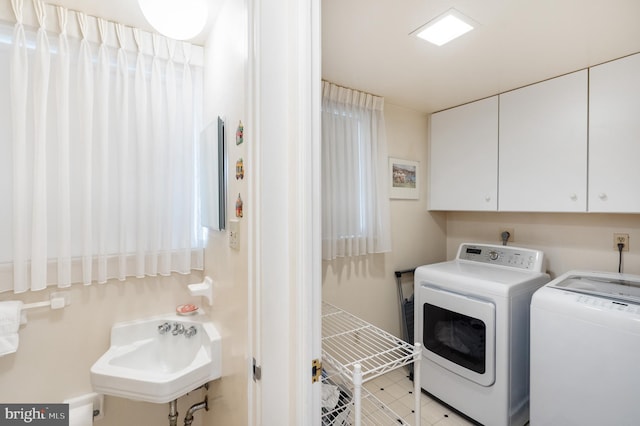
(472,317)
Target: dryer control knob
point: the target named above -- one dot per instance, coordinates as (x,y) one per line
(493,255)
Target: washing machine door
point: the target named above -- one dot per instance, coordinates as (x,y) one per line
(458,333)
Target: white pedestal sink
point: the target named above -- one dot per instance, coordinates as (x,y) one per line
(159,359)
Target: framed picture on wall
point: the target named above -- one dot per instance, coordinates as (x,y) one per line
(403,178)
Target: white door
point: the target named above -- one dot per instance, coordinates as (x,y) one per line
(284,198)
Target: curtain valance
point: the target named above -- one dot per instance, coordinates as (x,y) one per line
(112,37)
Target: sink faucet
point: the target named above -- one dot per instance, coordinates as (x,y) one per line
(177,328)
(163,328)
(191,331)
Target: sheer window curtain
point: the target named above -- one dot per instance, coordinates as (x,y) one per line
(355,194)
(97,153)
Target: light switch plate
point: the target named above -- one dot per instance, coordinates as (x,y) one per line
(234,234)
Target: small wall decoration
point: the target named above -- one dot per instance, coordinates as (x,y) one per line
(240,169)
(240,133)
(239,206)
(403,179)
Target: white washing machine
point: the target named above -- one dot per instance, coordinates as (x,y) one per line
(472,317)
(585,350)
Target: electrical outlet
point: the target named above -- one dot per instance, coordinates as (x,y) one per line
(512,234)
(621,238)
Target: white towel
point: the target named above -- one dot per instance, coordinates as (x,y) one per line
(330,396)
(9,324)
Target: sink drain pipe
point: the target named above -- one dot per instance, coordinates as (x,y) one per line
(195,407)
(173,413)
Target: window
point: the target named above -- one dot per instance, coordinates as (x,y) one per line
(97,154)
(355,210)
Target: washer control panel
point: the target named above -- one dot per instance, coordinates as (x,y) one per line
(512,257)
(608,304)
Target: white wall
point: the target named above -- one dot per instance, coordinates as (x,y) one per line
(224,87)
(366,286)
(57,348)
(570,241)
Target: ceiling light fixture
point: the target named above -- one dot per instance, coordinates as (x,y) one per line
(177,19)
(444,28)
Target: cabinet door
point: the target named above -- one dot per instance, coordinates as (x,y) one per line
(614,136)
(543,146)
(463,157)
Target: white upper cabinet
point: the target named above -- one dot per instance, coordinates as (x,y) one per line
(543,146)
(463,160)
(614,136)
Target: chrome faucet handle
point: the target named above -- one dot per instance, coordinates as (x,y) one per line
(177,328)
(191,331)
(163,328)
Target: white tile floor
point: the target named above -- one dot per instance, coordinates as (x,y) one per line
(396,391)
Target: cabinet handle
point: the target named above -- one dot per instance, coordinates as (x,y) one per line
(602,196)
(574,197)
(487,198)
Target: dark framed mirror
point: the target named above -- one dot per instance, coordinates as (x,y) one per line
(213,172)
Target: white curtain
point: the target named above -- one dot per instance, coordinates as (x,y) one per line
(355,200)
(62,107)
(97,153)
(19,67)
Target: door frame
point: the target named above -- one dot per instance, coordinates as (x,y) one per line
(284,239)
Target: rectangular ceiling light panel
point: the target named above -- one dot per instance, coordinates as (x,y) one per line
(444,28)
